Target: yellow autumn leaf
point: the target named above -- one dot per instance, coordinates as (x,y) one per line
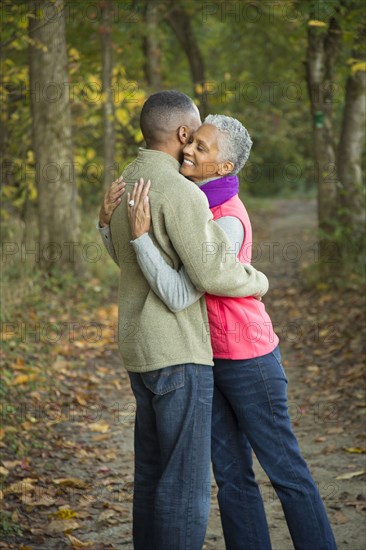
(90,154)
(80,400)
(23,379)
(73,52)
(138,135)
(95,81)
(101,98)
(139,98)
(360,66)
(23,23)
(122,116)
(316,23)
(80,160)
(33,193)
(198,89)
(355,450)
(64,514)
(101,427)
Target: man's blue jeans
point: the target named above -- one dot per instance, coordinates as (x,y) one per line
(172,457)
(250,412)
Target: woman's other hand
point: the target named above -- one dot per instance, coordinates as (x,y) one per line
(112,198)
(139,212)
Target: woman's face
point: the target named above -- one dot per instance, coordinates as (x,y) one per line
(201,153)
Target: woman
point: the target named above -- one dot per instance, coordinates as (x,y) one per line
(250,404)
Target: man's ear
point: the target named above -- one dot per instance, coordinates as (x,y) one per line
(183,134)
(225,168)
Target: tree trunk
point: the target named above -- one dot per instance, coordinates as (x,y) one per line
(151,46)
(351,143)
(180,22)
(52,141)
(351,192)
(323,47)
(109,134)
(4,162)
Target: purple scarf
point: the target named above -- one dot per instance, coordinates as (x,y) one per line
(220,190)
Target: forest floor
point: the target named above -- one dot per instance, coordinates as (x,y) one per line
(67,437)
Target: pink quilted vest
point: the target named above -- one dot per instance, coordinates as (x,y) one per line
(240,328)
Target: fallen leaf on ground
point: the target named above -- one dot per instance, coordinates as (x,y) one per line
(76,543)
(23,379)
(101,427)
(350,475)
(71,482)
(64,513)
(340,518)
(106,515)
(313,368)
(20,487)
(10,464)
(100,437)
(44,500)
(356,450)
(61,525)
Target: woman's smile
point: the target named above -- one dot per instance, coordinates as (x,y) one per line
(188,162)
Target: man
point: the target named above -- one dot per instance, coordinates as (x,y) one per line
(168,355)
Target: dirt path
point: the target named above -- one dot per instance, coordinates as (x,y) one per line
(84,466)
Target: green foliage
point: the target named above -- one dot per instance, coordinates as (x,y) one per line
(9,527)
(253,53)
(348,242)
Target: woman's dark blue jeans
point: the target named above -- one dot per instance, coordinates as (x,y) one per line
(250,412)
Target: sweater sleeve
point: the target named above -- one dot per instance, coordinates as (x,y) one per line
(173,287)
(105,233)
(206,252)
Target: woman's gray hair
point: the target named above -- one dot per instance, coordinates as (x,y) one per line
(235,143)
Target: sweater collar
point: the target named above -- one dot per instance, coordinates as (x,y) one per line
(220,190)
(157,156)
(217,190)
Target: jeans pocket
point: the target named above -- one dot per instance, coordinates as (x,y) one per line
(277,355)
(164,380)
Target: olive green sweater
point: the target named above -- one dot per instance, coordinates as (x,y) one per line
(150,336)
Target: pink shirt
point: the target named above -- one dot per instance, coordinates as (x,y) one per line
(240,328)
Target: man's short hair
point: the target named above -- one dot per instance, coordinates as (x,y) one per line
(163,112)
(234,142)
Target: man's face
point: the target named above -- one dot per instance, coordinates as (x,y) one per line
(201,153)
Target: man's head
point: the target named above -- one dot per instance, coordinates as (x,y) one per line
(168,118)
